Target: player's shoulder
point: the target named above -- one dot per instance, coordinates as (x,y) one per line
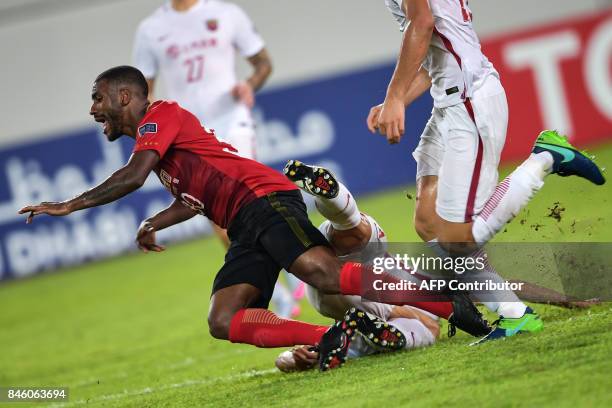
(165,108)
(152,22)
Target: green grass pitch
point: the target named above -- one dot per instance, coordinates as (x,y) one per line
(132,332)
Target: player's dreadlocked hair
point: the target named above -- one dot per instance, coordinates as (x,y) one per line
(125,74)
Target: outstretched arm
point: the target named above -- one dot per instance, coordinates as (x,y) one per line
(174,214)
(122,182)
(415,43)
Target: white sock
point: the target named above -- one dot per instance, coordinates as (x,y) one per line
(341,210)
(511,195)
(511,306)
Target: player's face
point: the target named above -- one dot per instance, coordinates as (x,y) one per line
(106,109)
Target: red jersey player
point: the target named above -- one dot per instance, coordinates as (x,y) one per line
(263,212)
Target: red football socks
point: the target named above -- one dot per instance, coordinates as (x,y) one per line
(351,284)
(350,278)
(262,328)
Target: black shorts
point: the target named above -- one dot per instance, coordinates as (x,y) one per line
(266,235)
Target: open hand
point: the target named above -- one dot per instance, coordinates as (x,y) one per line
(46,207)
(145,239)
(243,92)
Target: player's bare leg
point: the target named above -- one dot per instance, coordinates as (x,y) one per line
(530,292)
(431,225)
(552,153)
(507,200)
(225,303)
(231,318)
(426,220)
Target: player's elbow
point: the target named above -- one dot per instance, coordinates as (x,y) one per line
(269,67)
(137,180)
(265,68)
(133,182)
(423,23)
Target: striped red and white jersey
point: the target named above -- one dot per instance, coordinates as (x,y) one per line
(455,62)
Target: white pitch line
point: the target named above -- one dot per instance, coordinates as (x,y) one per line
(181,364)
(150,390)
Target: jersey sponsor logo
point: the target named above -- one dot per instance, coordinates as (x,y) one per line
(147,128)
(212,24)
(169,182)
(193,203)
(174,51)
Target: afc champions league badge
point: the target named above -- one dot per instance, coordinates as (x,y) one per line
(212,24)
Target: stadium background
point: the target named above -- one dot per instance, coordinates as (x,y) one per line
(328,70)
(128,331)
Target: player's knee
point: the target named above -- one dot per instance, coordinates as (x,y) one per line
(326,278)
(219,326)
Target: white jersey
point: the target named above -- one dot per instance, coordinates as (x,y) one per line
(195,53)
(455,62)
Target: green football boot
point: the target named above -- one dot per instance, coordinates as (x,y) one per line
(568,161)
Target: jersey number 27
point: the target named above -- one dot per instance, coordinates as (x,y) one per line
(195,68)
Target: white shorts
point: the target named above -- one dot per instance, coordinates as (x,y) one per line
(417,334)
(238,129)
(241,135)
(463,150)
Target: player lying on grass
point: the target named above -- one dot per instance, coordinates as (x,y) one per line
(354,236)
(263,212)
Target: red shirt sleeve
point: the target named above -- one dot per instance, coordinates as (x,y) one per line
(158,128)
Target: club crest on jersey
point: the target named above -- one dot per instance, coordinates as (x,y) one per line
(147,128)
(212,24)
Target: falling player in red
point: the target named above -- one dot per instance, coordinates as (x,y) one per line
(263,212)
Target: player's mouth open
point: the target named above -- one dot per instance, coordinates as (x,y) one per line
(104,122)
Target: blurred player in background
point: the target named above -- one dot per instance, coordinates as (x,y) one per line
(459,205)
(192,45)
